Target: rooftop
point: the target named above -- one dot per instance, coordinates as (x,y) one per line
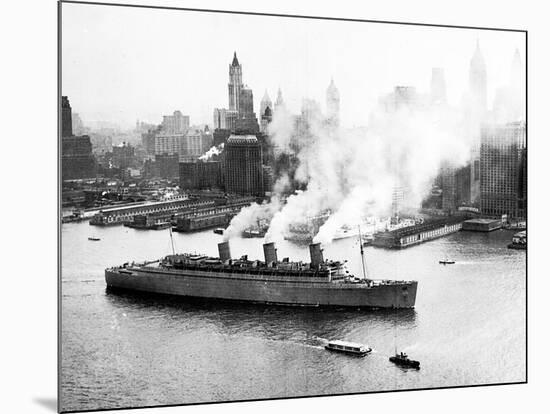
(242,139)
(481,221)
(345,343)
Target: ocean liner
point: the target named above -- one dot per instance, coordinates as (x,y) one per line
(319,283)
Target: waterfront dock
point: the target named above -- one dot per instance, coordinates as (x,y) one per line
(125,214)
(482,224)
(419,233)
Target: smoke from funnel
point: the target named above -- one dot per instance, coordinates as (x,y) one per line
(353,172)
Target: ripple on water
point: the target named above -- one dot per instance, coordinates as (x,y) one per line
(127,350)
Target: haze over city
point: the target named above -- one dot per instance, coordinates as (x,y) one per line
(124,64)
(353,166)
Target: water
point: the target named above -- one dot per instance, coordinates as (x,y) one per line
(468,326)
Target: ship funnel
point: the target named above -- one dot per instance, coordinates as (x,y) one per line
(224,251)
(316,254)
(270,253)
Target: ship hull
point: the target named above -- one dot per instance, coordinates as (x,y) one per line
(290,291)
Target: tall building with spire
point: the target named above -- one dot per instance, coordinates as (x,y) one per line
(265,120)
(333,104)
(240,116)
(266,112)
(279,102)
(265,103)
(235,83)
(476,113)
(517,86)
(517,73)
(478,81)
(509,104)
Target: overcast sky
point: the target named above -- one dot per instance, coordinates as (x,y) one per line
(120,64)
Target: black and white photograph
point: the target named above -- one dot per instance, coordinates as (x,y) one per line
(267,206)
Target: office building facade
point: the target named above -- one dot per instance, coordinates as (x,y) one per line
(243,171)
(503,168)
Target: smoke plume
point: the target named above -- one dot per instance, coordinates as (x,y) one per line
(353,172)
(251,216)
(211,152)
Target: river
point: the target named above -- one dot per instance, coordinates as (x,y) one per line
(120,350)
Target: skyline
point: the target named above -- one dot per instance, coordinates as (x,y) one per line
(143,76)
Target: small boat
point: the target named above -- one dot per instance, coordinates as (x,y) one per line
(94,238)
(403,360)
(219,230)
(348,348)
(446,262)
(252,233)
(519,241)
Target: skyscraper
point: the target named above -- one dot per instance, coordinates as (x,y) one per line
(175,124)
(333,104)
(148,139)
(522,185)
(265,103)
(509,104)
(402,97)
(279,102)
(77,160)
(267,116)
(196,175)
(246,102)
(478,81)
(190,145)
(243,165)
(235,83)
(517,73)
(66,118)
(246,123)
(476,113)
(455,187)
(502,182)
(240,116)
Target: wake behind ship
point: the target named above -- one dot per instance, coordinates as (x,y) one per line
(319,283)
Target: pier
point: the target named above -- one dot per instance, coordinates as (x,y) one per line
(125,214)
(409,236)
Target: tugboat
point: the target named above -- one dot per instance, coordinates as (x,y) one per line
(446,262)
(348,348)
(403,360)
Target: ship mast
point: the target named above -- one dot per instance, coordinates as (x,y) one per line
(362,254)
(172,241)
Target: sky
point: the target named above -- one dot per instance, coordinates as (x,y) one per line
(122,64)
